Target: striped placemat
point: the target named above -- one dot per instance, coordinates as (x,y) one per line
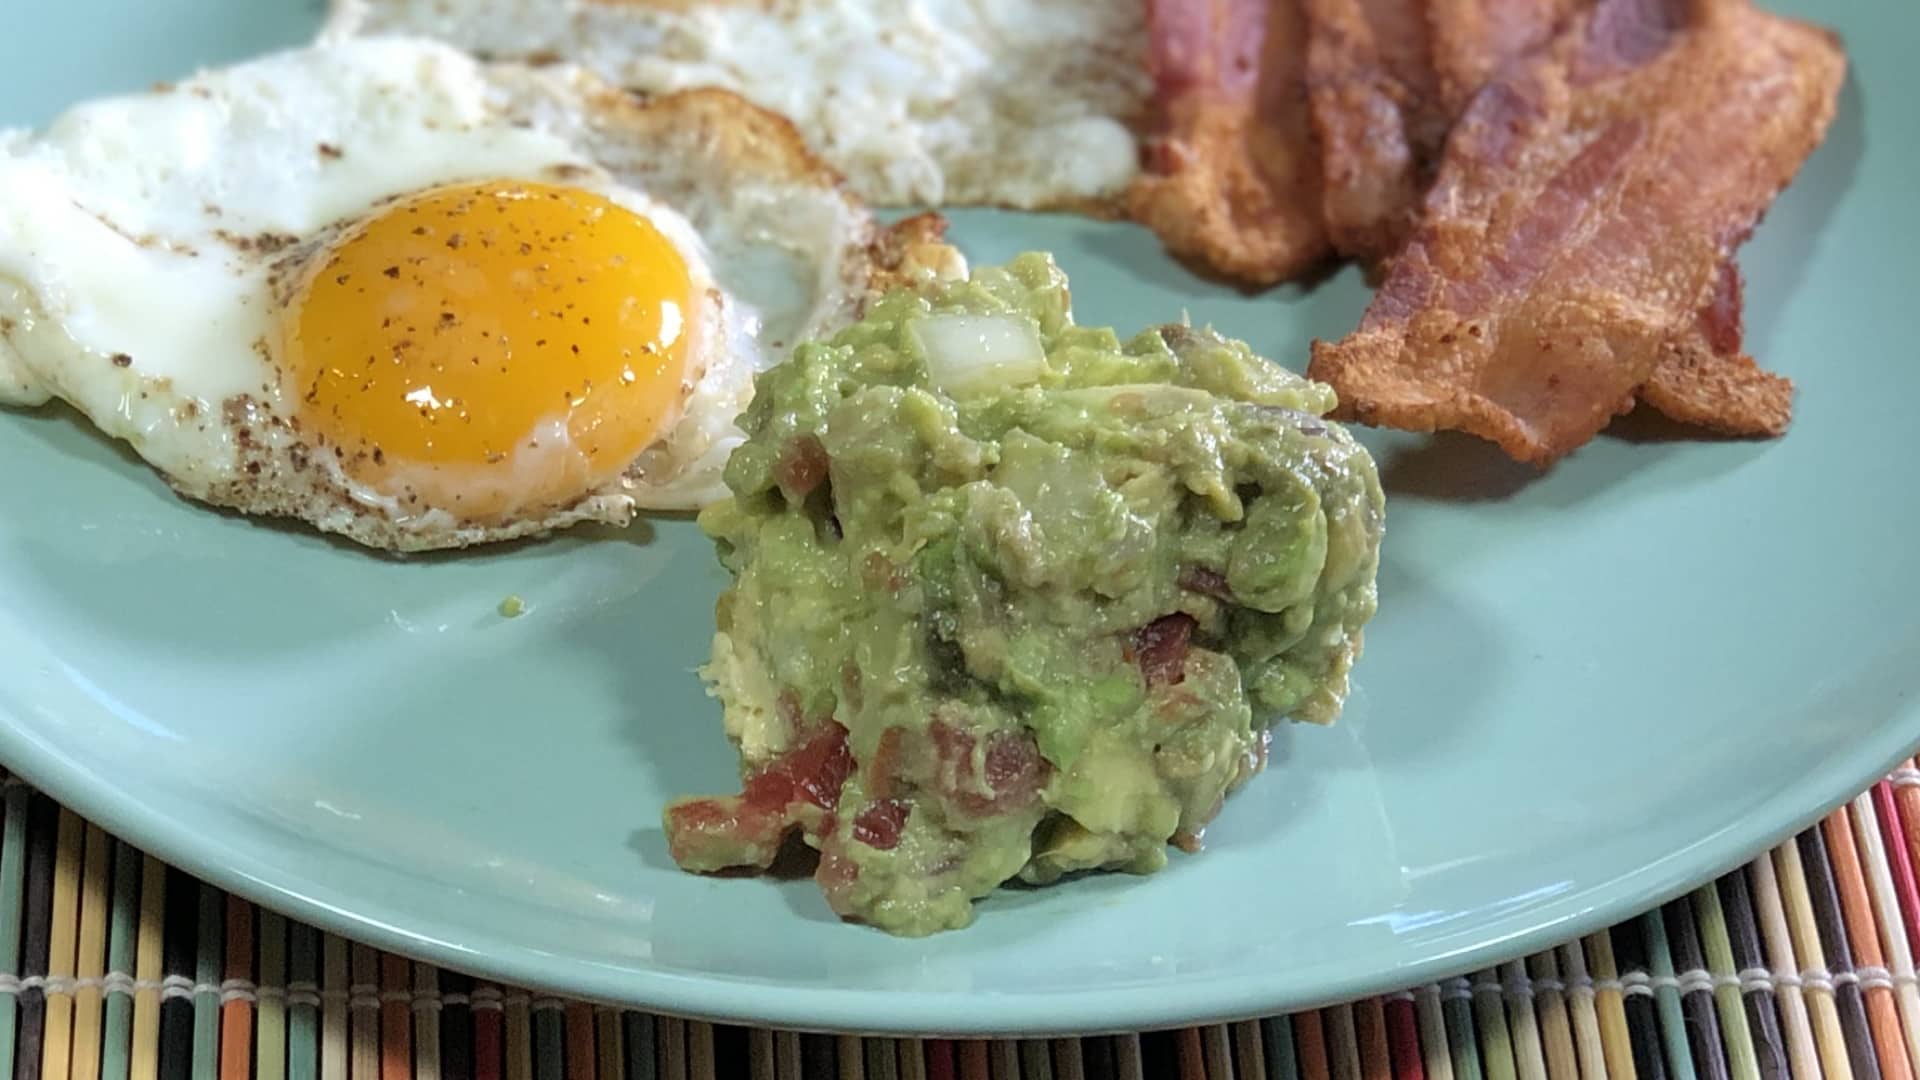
(1798,964)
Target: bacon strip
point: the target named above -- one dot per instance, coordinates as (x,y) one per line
(1386,79)
(1232,178)
(1587,202)
(1704,378)
(1473,40)
(1378,115)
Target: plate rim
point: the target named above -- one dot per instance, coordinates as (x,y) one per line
(1141,1007)
(1726,840)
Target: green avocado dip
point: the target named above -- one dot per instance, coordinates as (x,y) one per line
(1013,598)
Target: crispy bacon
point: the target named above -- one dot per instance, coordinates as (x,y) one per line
(1386,79)
(1586,204)
(1378,116)
(1704,378)
(1473,40)
(1720,322)
(1232,178)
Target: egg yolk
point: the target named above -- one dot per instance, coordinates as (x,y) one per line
(492,349)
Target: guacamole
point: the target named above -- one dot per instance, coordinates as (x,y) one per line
(1014,598)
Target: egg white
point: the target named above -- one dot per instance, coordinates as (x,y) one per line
(944,102)
(150,243)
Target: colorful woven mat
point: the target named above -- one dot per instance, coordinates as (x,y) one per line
(1799,964)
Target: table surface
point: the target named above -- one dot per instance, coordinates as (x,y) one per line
(1797,964)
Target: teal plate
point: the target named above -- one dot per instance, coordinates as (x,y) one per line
(1584,693)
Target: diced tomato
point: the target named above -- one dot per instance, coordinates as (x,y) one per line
(883,772)
(791,713)
(1014,766)
(802,467)
(1160,648)
(719,833)
(819,768)
(1014,769)
(836,875)
(878,573)
(747,829)
(1207,582)
(879,824)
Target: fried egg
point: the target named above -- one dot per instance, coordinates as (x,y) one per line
(422,301)
(943,102)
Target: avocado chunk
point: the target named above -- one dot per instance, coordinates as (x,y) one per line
(1013,598)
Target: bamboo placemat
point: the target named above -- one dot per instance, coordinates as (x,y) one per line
(1799,964)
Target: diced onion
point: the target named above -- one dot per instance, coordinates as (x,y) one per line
(972,353)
